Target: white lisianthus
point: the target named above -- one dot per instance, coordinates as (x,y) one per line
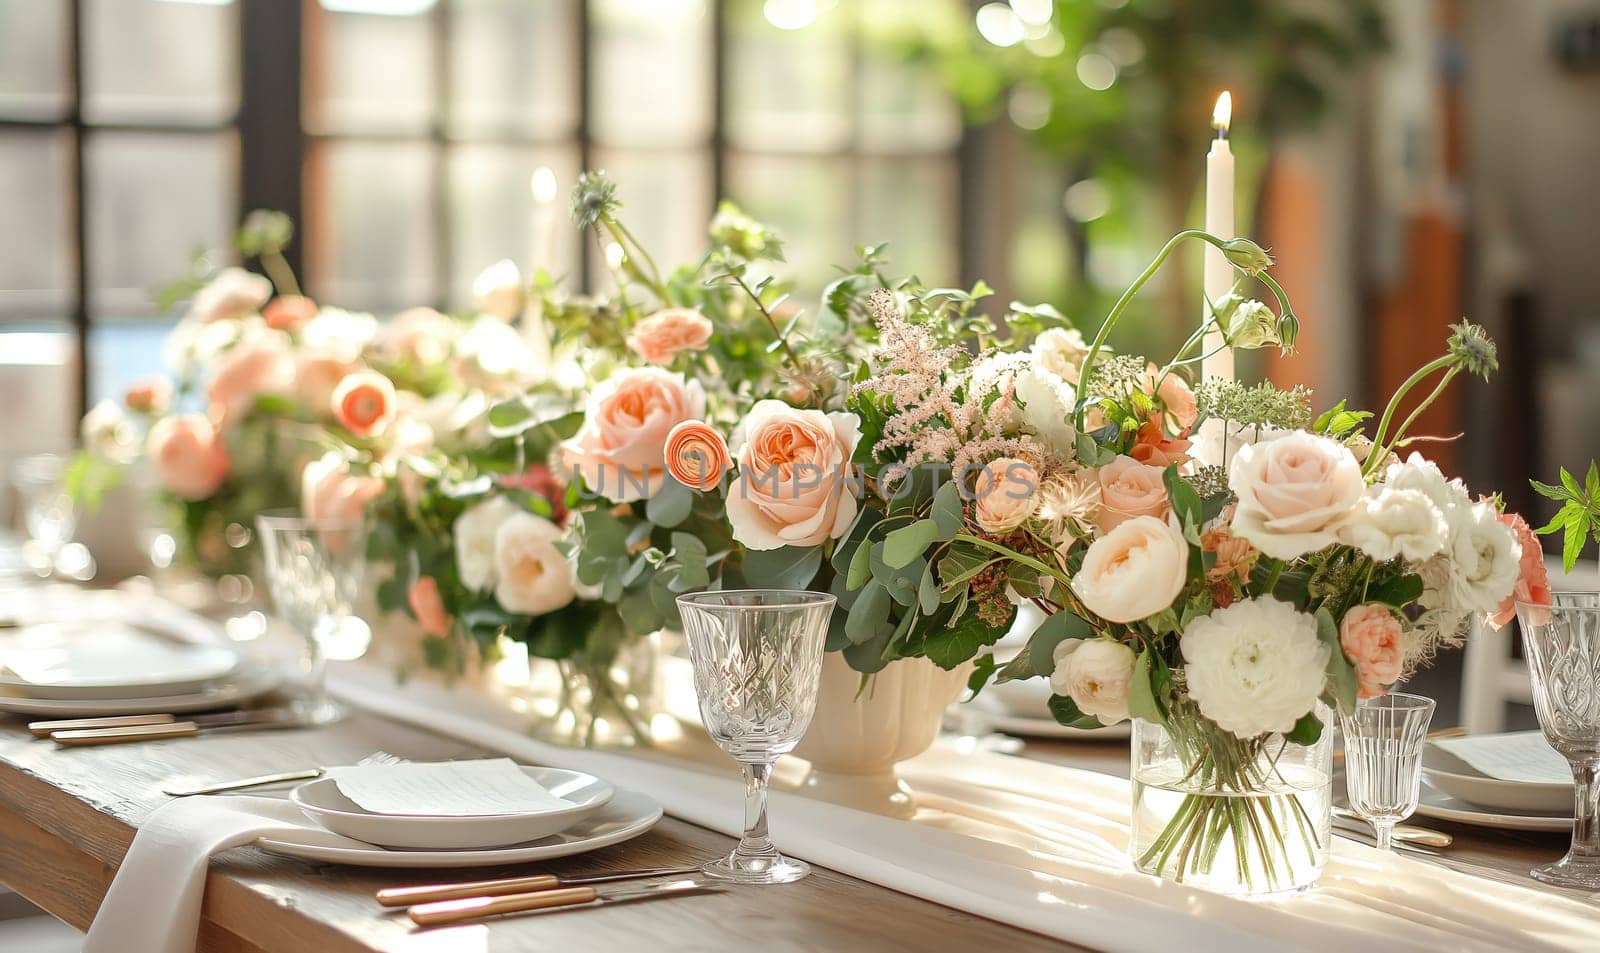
(533,575)
(1047,402)
(1484,558)
(1061,352)
(1134,571)
(1423,475)
(1392,522)
(1254,667)
(1295,492)
(474,533)
(498,290)
(1095,674)
(339,333)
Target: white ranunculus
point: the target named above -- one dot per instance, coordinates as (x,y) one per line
(1392,522)
(498,290)
(1061,352)
(474,533)
(1423,475)
(1295,492)
(339,333)
(1095,674)
(1254,667)
(1484,558)
(533,575)
(232,294)
(1134,571)
(1047,402)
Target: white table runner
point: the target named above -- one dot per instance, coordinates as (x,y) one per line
(1039,846)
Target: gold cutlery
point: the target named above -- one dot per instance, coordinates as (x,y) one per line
(433,893)
(41,729)
(237,721)
(1426,836)
(305,774)
(471,908)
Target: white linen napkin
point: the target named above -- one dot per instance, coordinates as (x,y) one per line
(154,902)
(1511,756)
(446,788)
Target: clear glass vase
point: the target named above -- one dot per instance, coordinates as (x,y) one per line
(1247,817)
(599,702)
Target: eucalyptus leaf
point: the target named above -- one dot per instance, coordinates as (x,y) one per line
(905,544)
(788,567)
(1065,711)
(671,505)
(928,592)
(947,513)
(1038,655)
(1142,701)
(869,614)
(860,569)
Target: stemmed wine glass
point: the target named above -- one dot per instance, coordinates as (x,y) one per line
(314,569)
(757,657)
(1563,646)
(1383,741)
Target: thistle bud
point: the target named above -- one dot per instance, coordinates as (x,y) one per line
(1473,349)
(1246,256)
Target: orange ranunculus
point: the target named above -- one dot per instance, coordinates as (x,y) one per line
(697,455)
(364,403)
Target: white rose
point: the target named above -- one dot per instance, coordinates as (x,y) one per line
(1134,571)
(1095,674)
(474,533)
(1047,402)
(1295,492)
(1484,558)
(107,433)
(1391,522)
(493,353)
(232,294)
(534,576)
(338,333)
(1421,474)
(498,290)
(1061,352)
(1254,667)
(1215,446)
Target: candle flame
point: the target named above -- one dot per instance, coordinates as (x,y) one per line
(1222,115)
(544,185)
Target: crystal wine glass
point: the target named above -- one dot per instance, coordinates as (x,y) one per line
(1562,641)
(314,569)
(48,512)
(1383,741)
(757,657)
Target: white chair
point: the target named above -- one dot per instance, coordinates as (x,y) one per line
(1490,676)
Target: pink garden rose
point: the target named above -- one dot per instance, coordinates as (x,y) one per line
(794,467)
(364,403)
(1005,496)
(1371,638)
(316,375)
(289,312)
(329,491)
(259,365)
(1129,488)
(1295,493)
(1533,579)
(663,335)
(151,395)
(1175,395)
(188,455)
(620,451)
(423,597)
(697,455)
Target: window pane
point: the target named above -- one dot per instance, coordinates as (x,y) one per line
(651,71)
(33,59)
(157,61)
(369,72)
(370,231)
(514,68)
(492,214)
(35,245)
(911,204)
(808,200)
(903,107)
(666,202)
(789,89)
(153,200)
(38,388)
(122,353)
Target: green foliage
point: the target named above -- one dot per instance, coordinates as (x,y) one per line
(1065,711)
(1342,683)
(1578,520)
(789,567)
(1037,657)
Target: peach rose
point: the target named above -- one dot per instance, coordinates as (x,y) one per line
(423,597)
(233,293)
(259,365)
(620,451)
(188,455)
(1533,578)
(288,312)
(1129,488)
(1371,638)
(152,395)
(532,574)
(697,456)
(1134,571)
(660,337)
(1175,396)
(419,335)
(316,375)
(1152,446)
(1005,495)
(1295,493)
(364,403)
(329,491)
(794,468)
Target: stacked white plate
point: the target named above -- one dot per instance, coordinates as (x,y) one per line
(584,814)
(1512,780)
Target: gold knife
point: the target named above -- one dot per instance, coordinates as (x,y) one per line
(41,729)
(242,721)
(454,911)
(433,893)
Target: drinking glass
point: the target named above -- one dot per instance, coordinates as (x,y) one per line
(48,513)
(757,657)
(1562,641)
(314,569)
(1383,741)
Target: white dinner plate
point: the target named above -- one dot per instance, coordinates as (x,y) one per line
(1437,804)
(246,684)
(101,659)
(629,814)
(1455,777)
(325,803)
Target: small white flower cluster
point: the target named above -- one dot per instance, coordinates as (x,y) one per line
(502,547)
